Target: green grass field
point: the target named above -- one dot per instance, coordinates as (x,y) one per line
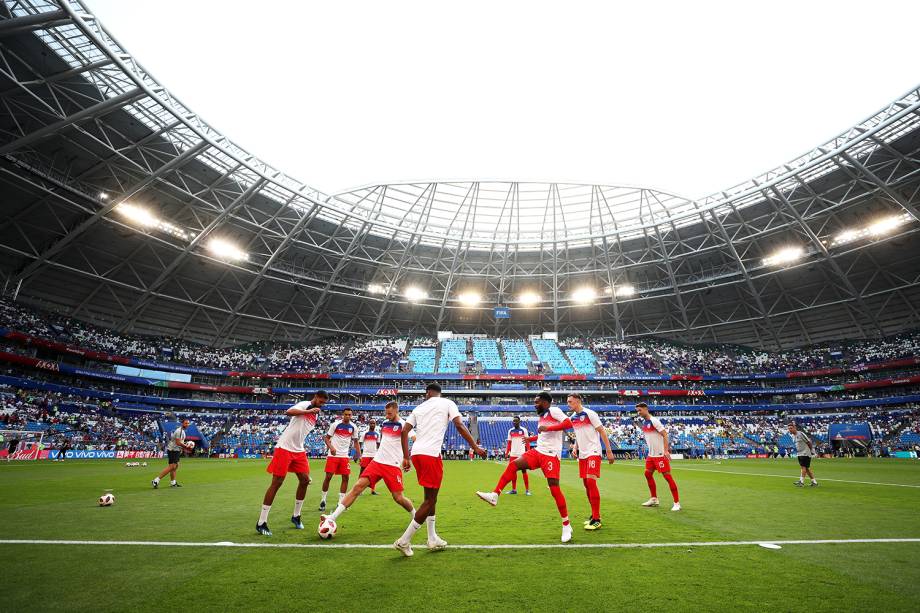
(727,501)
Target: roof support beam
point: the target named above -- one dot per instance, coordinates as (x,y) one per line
(38,21)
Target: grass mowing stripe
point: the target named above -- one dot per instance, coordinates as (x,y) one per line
(496,546)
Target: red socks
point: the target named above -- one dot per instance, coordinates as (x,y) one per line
(514,482)
(672,485)
(509,474)
(594,497)
(560,501)
(649,476)
(526,481)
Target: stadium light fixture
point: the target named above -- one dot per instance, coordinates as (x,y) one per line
(103,196)
(376,288)
(876,229)
(415,294)
(469,299)
(226,250)
(138,215)
(584,295)
(784,256)
(624,291)
(529,299)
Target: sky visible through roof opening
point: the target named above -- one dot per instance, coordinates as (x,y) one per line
(688,99)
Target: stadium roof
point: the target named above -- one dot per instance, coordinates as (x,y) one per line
(125,207)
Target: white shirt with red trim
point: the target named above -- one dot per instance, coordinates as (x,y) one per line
(585,424)
(342,435)
(369,443)
(652,429)
(430,420)
(390,451)
(518,438)
(550,443)
(297,430)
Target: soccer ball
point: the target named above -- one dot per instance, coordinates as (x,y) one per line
(192,443)
(327,528)
(106,500)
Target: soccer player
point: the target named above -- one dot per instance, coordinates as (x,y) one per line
(659,456)
(430,420)
(174,449)
(518,438)
(339,439)
(369,444)
(385,464)
(291,457)
(589,432)
(805,451)
(546,456)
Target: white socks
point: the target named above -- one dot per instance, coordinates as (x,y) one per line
(173,482)
(429,522)
(410,531)
(341,497)
(298,505)
(324,496)
(412,512)
(263,516)
(338,511)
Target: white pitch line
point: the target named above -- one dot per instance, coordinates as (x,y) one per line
(790,476)
(501,546)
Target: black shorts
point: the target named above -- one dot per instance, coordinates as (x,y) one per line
(805,461)
(172,457)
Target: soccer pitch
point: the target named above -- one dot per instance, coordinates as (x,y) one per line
(706,556)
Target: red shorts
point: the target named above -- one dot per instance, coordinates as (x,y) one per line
(589,467)
(391,475)
(337,466)
(365,461)
(549,464)
(661,464)
(284,462)
(429,470)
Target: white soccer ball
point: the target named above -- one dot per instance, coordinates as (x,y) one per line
(192,443)
(143,463)
(327,528)
(106,500)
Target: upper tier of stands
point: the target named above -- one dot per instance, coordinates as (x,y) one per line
(349,355)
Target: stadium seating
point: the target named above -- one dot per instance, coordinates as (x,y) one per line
(548,352)
(583,361)
(453,353)
(422,359)
(517,354)
(485,351)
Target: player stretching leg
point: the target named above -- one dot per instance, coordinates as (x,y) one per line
(430,420)
(174,449)
(805,451)
(518,438)
(546,456)
(339,439)
(588,433)
(369,443)
(291,457)
(386,464)
(659,456)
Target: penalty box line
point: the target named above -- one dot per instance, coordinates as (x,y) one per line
(478,547)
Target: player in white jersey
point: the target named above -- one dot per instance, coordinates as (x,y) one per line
(290,456)
(518,442)
(430,420)
(589,433)
(340,437)
(370,440)
(386,465)
(659,456)
(546,456)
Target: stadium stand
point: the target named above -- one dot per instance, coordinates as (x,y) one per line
(547,351)
(583,361)
(517,354)
(485,351)
(453,353)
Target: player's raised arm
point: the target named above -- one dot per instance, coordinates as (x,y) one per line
(458,422)
(565,423)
